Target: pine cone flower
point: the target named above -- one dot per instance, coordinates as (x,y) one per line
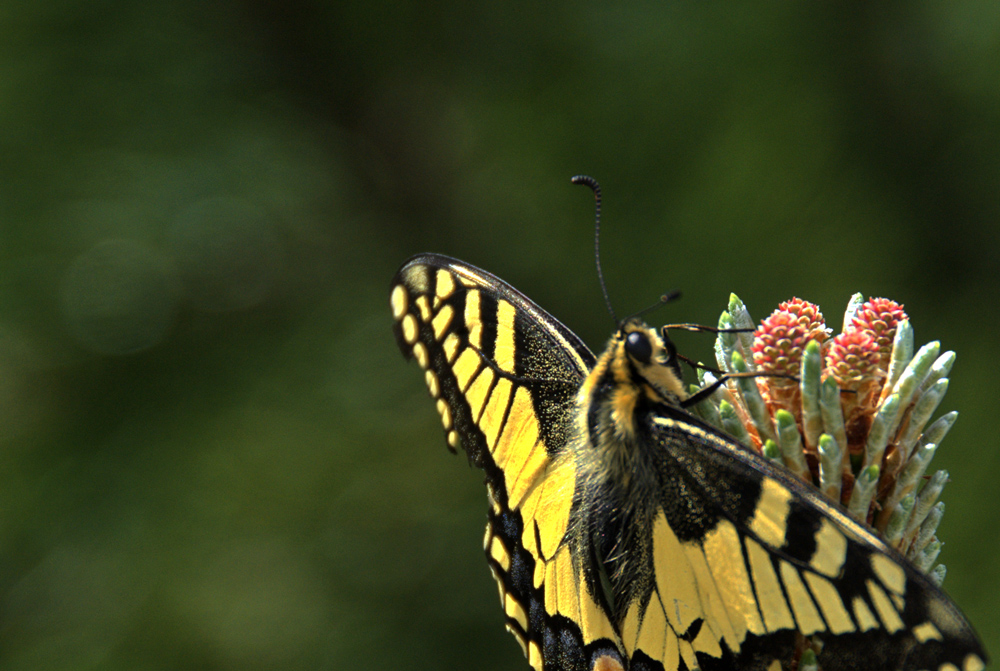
(809,316)
(852,360)
(850,414)
(778,344)
(879,317)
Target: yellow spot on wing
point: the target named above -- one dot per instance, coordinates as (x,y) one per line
(445,412)
(831,549)
(515,611)
(890,573)
(476,395)
(973,663)
(473,320)
(399,301)
(409,326)
(674,578)
(521,430)
(565,593)
(534,656)
(466,366)
(886,611)
(724,553)
(771,515)
(837,618)
(773,606)
(806,614)
(432,383)
(445,284)
(927,632)
(424,305)
(450,346)
(898,600)
(420,353)
(503,351)
(499,553)
(442,320)
(500,587)
(866,620)
(523,469)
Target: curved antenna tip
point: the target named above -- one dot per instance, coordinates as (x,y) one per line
(596,188)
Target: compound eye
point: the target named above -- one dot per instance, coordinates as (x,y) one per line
(638,346)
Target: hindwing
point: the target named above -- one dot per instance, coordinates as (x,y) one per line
(745,560)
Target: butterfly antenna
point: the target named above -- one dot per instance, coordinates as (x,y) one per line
(660,302)
(596,188)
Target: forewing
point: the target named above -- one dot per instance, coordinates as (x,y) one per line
(503,374)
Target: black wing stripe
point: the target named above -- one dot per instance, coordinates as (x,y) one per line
(473,318)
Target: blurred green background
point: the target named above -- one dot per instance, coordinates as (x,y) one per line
(213,456)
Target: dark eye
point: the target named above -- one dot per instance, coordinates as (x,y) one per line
(638,347)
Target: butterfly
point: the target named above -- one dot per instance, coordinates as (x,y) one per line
(625,533)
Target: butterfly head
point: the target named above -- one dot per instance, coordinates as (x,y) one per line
(638,370)
(649,359)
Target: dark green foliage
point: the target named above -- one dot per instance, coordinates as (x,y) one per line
(211,455)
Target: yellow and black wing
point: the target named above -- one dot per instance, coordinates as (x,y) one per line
(710,558)
(741,562)
(504,375)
